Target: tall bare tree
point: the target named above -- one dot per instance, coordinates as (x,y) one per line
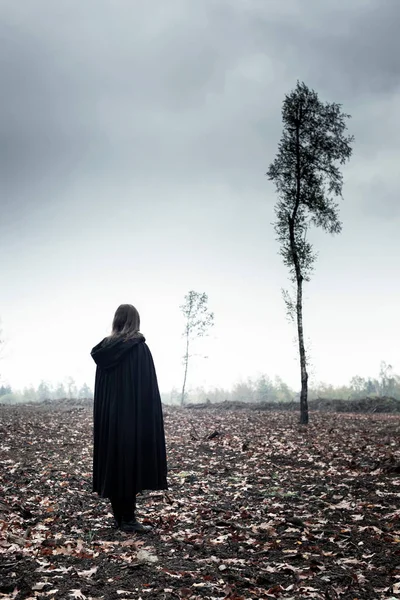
(307,179)
(198,320)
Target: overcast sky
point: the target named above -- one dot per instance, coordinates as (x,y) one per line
(135,137)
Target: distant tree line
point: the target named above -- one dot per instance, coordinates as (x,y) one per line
(264,389)
(386,384)
(45,391)
(261,389)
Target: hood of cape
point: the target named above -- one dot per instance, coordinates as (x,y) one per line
(109,352)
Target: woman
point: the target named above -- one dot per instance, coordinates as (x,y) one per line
(129,444)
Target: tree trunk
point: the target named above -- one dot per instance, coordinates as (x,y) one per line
(300,333)
(299,279)
(186,370)
(302,352)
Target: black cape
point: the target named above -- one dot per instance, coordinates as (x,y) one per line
(129,444)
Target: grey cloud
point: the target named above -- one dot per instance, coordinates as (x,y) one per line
(175,91)
(349,48)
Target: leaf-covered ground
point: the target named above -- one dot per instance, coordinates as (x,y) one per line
(258,507)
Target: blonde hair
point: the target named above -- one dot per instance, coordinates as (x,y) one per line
(126,322)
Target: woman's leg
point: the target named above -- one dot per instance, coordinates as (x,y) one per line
(123,509)
(128,506)
(117,507)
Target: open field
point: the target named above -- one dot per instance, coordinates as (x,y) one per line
(258,507)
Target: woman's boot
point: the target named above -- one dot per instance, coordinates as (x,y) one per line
(129,523)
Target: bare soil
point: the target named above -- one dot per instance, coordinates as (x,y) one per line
(258,507)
